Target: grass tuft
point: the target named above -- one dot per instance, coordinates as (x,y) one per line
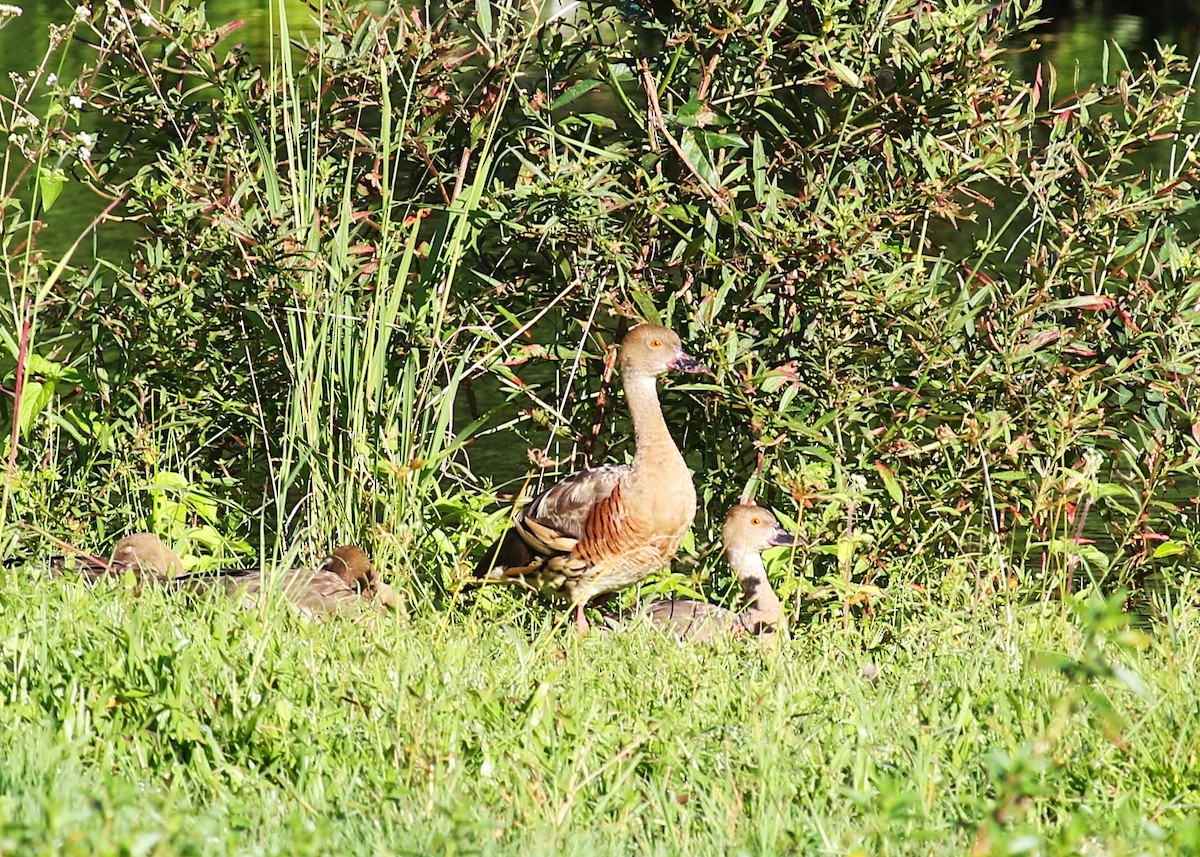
(921,732)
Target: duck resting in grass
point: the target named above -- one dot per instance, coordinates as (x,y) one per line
(747,532)
(144,554)
(346,580)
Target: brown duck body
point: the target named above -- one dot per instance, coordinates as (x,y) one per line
(748,531)
(608,527)
(695,620)
(345,581)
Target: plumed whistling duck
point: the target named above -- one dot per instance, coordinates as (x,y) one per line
(748,531)
(608,527)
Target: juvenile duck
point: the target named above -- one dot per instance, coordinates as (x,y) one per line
(608,527)
(147,556)
(747,532)
(345,580)
(143,553)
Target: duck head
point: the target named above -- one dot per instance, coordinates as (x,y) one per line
(147,556)
(753,529)
(653,350)
(351,564)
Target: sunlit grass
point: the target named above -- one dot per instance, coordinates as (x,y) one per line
(923,731)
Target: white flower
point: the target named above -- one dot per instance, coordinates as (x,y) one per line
(51,79)
(76,102)
(14,11)
(85,154)
(83,12)
(146,18)
(83,138)
(857,482)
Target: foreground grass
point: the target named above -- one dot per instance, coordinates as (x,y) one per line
(151,726)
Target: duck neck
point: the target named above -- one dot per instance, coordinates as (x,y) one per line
(763,609)
(655,447)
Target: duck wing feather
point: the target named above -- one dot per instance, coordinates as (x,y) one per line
(553,523)
(693,620)
(311,590)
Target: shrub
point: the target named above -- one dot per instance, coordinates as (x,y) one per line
(949,303)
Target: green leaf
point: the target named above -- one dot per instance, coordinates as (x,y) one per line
(1090,554)
(573,92)
(1170,548)
(646,305)
(845,75)
(1087,302)
(695,114)
(34,397)
(599,121)
(483,15)
(678,212)
(38,365)
(50,185)
(718,140)
(890,482)
(698,158)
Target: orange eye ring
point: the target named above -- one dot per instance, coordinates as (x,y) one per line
(656,343)
(756,521)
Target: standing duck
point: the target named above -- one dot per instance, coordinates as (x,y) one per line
(608,527)
(345,580)
(747,532)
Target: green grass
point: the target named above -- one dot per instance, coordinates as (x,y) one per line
(152,726)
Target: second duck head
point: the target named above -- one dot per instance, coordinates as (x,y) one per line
(351,564)
(752,529)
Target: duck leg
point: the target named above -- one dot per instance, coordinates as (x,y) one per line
(581,622)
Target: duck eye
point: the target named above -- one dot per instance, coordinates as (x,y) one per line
(656,343)
(756,521)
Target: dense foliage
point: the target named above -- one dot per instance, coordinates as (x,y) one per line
(951,307)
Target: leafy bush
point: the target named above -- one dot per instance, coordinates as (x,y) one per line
(951,309)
